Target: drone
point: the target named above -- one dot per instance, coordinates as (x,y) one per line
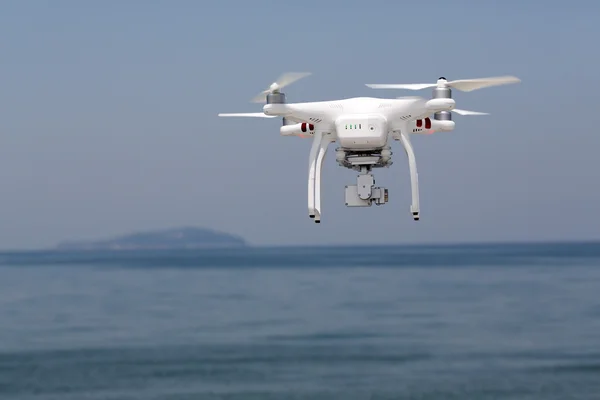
(364,128)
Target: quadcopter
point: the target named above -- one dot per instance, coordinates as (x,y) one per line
(364,128)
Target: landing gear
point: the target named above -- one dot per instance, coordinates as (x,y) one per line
(414,176)
(364,193)
(318,150)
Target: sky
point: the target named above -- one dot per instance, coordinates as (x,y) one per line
(109,124)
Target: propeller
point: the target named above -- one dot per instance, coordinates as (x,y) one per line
(467,112)
(256,115)
(281,82)
(464,85)
(456,110)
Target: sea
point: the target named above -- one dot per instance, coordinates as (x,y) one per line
(484,321)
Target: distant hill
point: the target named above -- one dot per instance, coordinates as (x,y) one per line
(169,239)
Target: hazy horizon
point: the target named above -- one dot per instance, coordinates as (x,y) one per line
(250,244)
(109,120)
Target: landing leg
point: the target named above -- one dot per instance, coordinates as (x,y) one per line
(323,145)
(414,177)
(312,169)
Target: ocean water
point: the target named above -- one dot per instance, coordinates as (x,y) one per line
(429,322)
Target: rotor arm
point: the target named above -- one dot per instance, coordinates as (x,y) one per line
(414,176)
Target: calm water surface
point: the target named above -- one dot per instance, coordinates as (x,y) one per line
(463,322)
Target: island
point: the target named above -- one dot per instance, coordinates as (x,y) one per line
(168,239)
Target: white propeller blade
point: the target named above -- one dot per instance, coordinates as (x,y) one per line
(409,97)
(409,86)
(256,115)
(281,82)
(467,112)
(465,85)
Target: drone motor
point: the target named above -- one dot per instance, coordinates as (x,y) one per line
(442,92)
(276,98)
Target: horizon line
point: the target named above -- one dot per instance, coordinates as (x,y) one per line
(247,245)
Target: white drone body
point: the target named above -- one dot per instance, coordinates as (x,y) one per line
(364,128)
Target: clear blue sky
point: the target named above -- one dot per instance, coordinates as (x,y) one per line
(109,118)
